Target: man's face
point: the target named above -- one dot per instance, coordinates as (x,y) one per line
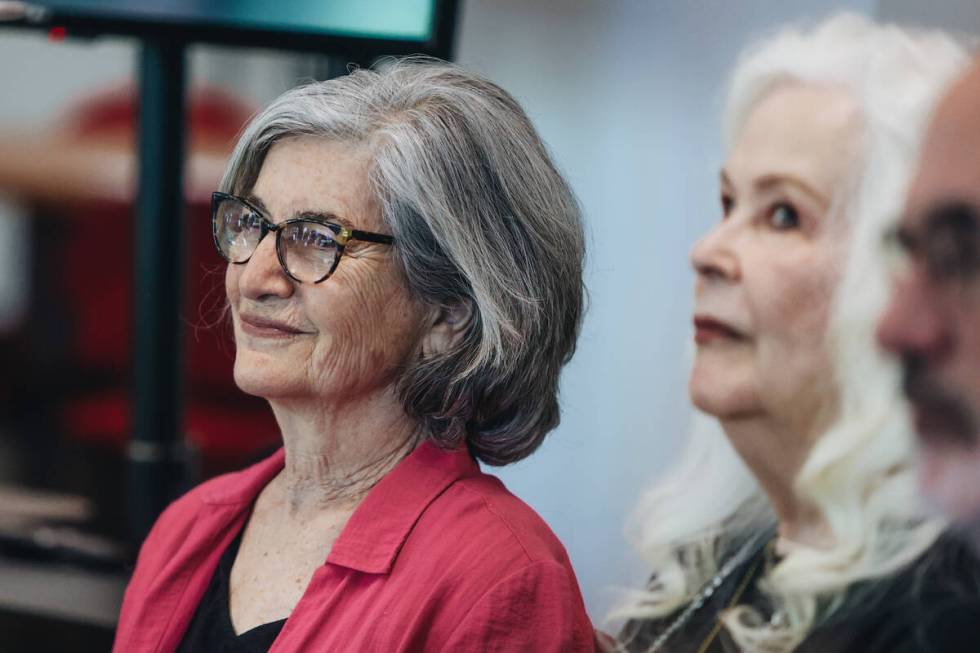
(932,322)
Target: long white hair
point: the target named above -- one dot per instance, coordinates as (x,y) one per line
(859,472)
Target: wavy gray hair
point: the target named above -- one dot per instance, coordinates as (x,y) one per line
(481,218)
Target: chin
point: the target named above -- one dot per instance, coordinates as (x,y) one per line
(950,480)
(262,377)
(720,393)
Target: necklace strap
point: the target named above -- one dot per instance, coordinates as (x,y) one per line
(742,586)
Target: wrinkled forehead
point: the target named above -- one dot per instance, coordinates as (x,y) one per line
(949,164)
(308,174)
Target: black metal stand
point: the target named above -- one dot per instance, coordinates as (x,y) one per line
(156,460)
(155,452)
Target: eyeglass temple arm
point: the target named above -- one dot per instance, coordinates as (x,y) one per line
(354,234)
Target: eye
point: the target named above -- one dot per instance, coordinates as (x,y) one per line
(727,204)
(253,220)
(244,221)
(783,216)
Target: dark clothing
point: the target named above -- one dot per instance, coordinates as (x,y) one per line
(933,606)
(211,630)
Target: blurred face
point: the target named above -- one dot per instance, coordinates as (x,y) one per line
(933,319)
(339,339)
(767,271)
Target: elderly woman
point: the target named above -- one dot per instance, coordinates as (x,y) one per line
(405,286)
(810,549)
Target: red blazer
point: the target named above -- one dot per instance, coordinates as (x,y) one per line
(438,557)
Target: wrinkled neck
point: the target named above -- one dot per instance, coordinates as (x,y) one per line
(333,457)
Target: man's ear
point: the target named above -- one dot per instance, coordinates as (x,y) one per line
(447,327)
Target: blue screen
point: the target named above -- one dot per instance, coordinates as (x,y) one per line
(409,20)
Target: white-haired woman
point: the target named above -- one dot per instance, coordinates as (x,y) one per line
(405,285)
(802,531)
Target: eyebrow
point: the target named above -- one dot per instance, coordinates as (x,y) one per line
(768,181)
(326,216)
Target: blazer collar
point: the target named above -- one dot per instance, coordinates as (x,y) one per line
(375,533)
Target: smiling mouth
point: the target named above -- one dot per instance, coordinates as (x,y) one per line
(264,328)
(708,330)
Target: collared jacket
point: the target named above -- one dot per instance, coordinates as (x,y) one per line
(438,557)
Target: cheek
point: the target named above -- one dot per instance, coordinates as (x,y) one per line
(369,327)
(793,364)
(790,309)
(232,272)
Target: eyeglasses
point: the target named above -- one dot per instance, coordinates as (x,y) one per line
(947,246)
(308,248)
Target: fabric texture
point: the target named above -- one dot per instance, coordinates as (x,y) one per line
(438,557)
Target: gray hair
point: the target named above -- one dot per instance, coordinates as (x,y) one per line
(481,218)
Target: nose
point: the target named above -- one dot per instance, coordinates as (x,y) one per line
(713,256)
(913,321)
(262,276)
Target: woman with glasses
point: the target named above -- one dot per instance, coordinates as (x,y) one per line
(405,284)
(793,522)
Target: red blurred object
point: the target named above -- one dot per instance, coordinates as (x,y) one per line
(94,250)
(57,34)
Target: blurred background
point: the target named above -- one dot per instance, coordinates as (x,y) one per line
(627,93)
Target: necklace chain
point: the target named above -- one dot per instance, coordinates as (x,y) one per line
(703,595)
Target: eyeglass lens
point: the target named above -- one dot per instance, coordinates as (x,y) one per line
(307,250)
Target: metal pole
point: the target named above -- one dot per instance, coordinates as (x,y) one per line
(156,445)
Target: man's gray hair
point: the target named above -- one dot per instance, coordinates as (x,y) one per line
(481,218)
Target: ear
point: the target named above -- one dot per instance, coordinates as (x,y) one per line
(447,327)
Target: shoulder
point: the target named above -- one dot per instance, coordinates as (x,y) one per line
(537,607)
(175,523)
(481,544)
(515,583)
(231,489)
(483,507)
(946,597)
(931,606)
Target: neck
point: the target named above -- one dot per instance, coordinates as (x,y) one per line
(765,446)
(335,455)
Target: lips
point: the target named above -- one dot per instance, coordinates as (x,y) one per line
(262,327)
(708,329)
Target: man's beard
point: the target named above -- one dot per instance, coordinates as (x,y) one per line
(942,418)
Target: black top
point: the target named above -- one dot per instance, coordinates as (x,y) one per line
(933,606)
(210,630)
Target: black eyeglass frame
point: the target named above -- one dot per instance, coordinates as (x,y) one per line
(342,235)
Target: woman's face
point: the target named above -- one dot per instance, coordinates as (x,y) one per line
(337,340)
(766,272)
